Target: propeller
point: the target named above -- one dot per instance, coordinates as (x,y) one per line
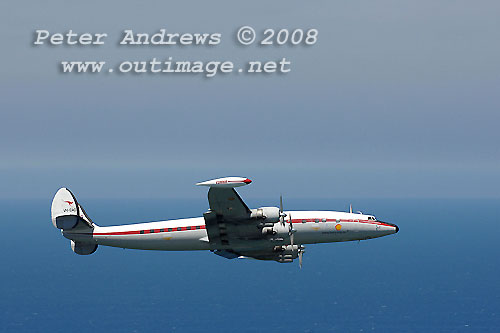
(282,215)
(282,220)
(301,253)
(291,231)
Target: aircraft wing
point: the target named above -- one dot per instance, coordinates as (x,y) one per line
(228,220)
(227,203)
(261,254)
(277,253)
(230,223)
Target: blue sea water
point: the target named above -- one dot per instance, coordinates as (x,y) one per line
(439,273)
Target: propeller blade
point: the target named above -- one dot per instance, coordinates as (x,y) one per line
(282,214)
(302,249)
(290,229)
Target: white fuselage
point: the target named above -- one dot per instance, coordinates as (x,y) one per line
(191,234)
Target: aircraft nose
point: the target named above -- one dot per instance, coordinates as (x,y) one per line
(392,225)
(395,226)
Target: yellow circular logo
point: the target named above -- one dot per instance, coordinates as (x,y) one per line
(338,227)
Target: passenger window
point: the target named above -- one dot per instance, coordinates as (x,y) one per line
(162,230)
(179,228)
(142,231)
(323,220)
(152,231)
(316,221)
(197,227)
(169,229)
(304,221)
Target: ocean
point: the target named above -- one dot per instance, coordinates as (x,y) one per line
(439,273)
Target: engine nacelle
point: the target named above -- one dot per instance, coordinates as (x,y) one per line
(286,253)
(268,231)
(270,214)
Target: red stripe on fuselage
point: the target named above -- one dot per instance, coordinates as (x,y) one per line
(201,227)
(148,231)
(339,221)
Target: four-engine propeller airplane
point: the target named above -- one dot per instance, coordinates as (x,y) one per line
(229,229)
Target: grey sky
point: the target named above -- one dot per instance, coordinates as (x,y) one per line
(396,99)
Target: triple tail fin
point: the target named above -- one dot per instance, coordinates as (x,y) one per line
(67,213)
(71,218)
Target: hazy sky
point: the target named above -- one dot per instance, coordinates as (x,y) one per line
(396,99)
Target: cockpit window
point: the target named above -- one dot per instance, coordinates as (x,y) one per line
(371,218)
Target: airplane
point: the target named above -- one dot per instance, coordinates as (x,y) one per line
(229,228)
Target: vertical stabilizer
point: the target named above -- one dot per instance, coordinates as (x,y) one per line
(66,211)
(68,215)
